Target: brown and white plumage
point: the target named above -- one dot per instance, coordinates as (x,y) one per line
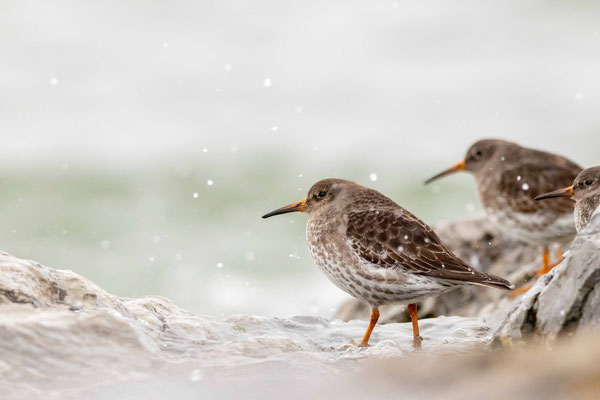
(509,177)
(393,238)
(509,183)
(377,251)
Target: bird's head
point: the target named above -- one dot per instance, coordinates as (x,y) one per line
(477,157)
(586,185)
(321,195)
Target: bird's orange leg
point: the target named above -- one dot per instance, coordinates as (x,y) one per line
(417,339)
(374,317)
(546,267)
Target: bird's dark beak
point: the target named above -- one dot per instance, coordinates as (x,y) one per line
(566,192)
(299,206)
(459,166)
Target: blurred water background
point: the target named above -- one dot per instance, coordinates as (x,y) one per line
(142,141)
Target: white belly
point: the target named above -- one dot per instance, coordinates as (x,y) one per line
(369,282)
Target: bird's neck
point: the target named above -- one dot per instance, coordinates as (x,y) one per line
(585,209)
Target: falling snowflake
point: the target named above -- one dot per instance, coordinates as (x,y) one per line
(373,177)
(219,265)
(195,195)
(525,186)
(53,81)
(209,182)
(195,375)
(267,82)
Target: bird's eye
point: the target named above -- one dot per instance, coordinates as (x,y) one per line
(589,182)
(322,194)
(478,153)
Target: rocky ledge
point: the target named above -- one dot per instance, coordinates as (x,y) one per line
(566,301)
(62,334)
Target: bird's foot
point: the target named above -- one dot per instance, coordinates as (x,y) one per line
(520,291)
(417,340)
(361,344)
(354,343)
(547,268)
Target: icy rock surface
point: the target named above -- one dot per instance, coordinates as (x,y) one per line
(564,301)
(482,245)
(61,336)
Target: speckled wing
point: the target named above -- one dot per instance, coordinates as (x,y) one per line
(528,180)
(397,239)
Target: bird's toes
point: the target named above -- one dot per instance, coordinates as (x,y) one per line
(354,343)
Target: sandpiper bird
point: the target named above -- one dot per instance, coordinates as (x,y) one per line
(586,193)
(509,177)
(378,252)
